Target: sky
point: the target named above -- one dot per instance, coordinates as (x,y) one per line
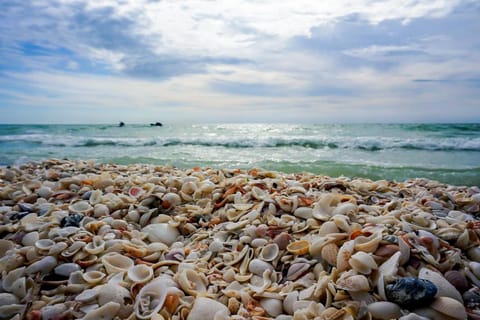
(302,61)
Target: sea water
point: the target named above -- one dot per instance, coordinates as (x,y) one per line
(448,153)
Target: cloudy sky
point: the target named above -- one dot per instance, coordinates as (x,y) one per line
(102,61)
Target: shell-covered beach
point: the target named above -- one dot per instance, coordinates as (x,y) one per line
(81,240)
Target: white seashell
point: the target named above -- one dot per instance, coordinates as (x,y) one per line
(44,192)
(384,310)
(192,282)
(258,193)
(45,265)
(113,292)
(258,242)
(8,311)
(475,267)
(152,296)
(362,262)
(7,299)
(19,287)
(344,254)
(115,262)
(80,206)
(273,307)
(57,248)
(87,295)
(140,273)
(327,228)
(207,309)
(44,244)
(296,270)
(353,283)
(100,210)
(344,209)
(303,212)
(95,197)
(93,277)
(161,232)
(474,253)
(449,307)
(269,252)
(412,316)
(390,267)
(289,301)
(172,198)
(11,277)
(105,312)
(96,246)
(258,266)
(30,238)
(444,288)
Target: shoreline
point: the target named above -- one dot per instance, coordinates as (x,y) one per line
(104,238)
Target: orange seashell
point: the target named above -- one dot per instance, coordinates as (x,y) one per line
(355,234)
(87,182)
(171,302)
(329,253)
(135,251)
(299,247)
(196,168)
(253,172)
(166,204)
(305,201)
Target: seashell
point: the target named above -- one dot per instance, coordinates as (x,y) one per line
(135,250)
(353,283)
(344,209)
(207,309)
(282,240)
(53,311)
(8,311)
(449,307)
(269,252)
(140,273)
(411,292)
(444,288)
(19,287)
(273,307)
(44,192)
(344,254)
(9,279)
(45,265)
(65,269)
(152,296)
(368,244)
(362,262)
(192,282)
(29,239)
(161,232)
(296,270)
(106,312)
(113,291)
(100,210)
(135,192)
(303,212)
(257,266)
(474,253)
(384,310)
(332,313)
(259,242)
(96,246)
(72,220)
(329,253)
(81,206)
(299,247)
(73,249)
(413,316)
(475,267)
(258,193)
(171,200)
(115,262)
(95,197)
(317,245)
(457,279)
(327,228)
(93,277)
(8,298)
(87,295)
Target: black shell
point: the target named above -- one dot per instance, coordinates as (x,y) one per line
(411,292)
(72,220)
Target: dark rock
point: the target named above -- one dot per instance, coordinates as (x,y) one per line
(72,220)
(411,292)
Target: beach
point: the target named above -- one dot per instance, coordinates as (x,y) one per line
(85,239)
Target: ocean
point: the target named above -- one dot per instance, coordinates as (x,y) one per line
(448,153)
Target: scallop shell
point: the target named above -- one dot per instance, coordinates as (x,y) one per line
(269,252)
(140,273)
(299,247)
(362,262)
(330,253)
(115,262)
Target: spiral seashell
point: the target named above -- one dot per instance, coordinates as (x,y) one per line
(299,247)
(269,252)
(362,262)
(115,262)
(192,282)
(140,273)
(152,296)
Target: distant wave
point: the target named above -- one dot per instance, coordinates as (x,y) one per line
(360,143)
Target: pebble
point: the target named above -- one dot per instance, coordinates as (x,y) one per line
(411,292)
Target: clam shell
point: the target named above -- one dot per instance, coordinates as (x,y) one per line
(329,253)
(161,232)
(384,310)
(269,252)
(273,307)
(353,283)
(258,267)
(303,212)
(192,282)
(151,297)
(65,269)
(96,246)
(368,244)
(44,244)
(299,247)
(296,270)
(449,307)
(344,254)
(115,262)
(444,288)
(105,312)
(93,277)
(205,308)
(362,262)
(80,206)
(327,228)
(5,246)
(140,273)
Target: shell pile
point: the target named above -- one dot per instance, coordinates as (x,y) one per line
(103,241)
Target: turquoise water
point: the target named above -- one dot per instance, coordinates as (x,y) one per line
(448,153)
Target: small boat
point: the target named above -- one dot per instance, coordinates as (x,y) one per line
(121,124)
(156,124)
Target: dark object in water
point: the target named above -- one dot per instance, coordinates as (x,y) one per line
(121,124)
(411,292)
(71,220)
(156,124)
